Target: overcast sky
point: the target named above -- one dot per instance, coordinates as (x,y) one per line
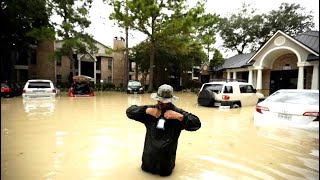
(104,30)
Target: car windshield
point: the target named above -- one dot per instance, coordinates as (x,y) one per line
(4,85)
(295,98)
(81,88)
(214,87)
(39,85)
(134,83)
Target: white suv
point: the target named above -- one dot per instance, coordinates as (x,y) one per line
(228,93)
(39,88)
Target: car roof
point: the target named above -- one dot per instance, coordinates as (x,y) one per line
(299,90)
(224,82)
(39,80)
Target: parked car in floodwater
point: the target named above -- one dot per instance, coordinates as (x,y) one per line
(10,89)
(228,92)
(81,87)
(134,87)
(39,88)
(290,107)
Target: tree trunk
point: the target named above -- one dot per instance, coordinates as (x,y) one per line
(70,56)
(126,62)
(152,55)
(151,68)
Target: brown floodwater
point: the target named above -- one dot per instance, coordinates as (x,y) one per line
(92,138)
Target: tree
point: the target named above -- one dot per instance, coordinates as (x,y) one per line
(247,31)
(217,60)
(207,31)
(72,28)
(24,25)
(240,31)
(124,18)
(149,17)
(289,18)
(170,59)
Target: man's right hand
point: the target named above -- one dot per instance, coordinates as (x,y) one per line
(155,112)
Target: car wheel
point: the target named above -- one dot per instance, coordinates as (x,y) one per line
(235,106)
(205,98)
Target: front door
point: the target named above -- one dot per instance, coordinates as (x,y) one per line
(283,79)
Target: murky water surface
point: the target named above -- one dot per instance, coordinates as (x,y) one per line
(92,138)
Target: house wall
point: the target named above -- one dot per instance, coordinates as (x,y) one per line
(118,63)
(44,68)
(274,51)
(105,72)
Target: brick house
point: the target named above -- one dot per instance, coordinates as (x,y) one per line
(283,62)
(100,66)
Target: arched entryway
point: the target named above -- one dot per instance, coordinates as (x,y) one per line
(284,73)
(87,66)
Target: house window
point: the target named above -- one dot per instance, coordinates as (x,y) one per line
(75,60)
(98,65)
(33,56)
(58,60)
(109,64)
(59,78)
(98,77)
(109,79)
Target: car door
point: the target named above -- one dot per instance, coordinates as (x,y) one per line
(248,95)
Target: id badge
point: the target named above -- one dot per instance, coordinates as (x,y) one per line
(160,124)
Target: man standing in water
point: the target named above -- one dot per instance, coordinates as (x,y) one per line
(164,122)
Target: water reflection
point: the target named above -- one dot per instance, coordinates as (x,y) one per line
(92,138)
(134,99)
(39,106)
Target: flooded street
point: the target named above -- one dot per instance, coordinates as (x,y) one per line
(92,138)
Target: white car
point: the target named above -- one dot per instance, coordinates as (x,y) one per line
(229,92)
(36,88)
(289,107)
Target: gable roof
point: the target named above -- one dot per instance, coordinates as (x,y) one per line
(309,39)
(236,61)
(302,37)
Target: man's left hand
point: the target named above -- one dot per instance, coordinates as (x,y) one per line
(169,114)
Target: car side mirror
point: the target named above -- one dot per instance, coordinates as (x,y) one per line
(254,90)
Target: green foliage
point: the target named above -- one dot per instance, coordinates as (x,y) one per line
(217,60)
(71,29)
(247,31)
(289,18)
(24,23)
(104,86)
(159,20)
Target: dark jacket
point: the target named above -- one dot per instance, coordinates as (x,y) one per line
(160,146)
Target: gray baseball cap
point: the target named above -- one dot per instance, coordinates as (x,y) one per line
(164,94)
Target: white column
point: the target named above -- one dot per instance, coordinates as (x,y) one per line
(234,75)
(250,76)
(315,77)
(300,77)
(95,71)
(228,74)
(259,79)
(254,79)
(79,67)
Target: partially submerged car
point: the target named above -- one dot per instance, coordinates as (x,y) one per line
(134,87)
(81,87)
(39,88)
(297,108)
(10,89)
(226,92)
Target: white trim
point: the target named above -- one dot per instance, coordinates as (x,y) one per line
(287,36)
(81,55)
(21,67)
(277,48)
